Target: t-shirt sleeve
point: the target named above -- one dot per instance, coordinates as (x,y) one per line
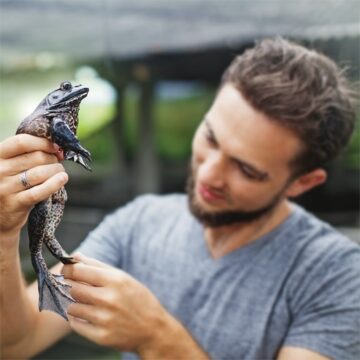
(325,306)
(109,240)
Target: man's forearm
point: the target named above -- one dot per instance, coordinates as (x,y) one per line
(16,311)
(172,341)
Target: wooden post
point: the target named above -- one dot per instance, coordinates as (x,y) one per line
(147,178)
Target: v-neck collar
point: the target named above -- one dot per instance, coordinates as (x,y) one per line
(204,256)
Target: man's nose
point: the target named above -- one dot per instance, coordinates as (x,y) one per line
(212,171)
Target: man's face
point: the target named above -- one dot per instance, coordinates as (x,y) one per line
(240,163)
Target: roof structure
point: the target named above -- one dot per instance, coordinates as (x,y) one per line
(121,29)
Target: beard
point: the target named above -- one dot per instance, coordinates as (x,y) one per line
(227,217)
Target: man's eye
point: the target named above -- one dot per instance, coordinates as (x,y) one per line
(247,172)
(210,139)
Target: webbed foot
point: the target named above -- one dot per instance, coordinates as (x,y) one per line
(60,280)
(53,292)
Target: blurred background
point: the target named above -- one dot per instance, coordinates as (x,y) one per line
(153,68)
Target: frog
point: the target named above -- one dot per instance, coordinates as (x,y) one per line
(56,119)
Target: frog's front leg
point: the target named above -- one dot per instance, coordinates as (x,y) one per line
(55,214)
(62,135)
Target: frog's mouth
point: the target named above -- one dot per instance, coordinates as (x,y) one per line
(73,98)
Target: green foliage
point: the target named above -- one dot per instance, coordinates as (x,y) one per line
(352,155)
(175,122)
(101,145)
(93,117)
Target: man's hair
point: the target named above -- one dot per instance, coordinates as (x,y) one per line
(303,91)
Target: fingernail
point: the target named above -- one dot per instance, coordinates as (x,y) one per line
(77,256)
(60,155)
(56,147)
(63,177)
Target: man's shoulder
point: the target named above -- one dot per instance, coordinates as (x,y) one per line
(319,243)
(324,270)
(321,233)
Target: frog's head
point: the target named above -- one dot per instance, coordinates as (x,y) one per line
(64,102)
(66,97)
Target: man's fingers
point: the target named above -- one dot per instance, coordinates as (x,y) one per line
(34,176)
(86,312)
(84,293)
(87,273)
(86,329)
(43,191)
(24,162)
(24,143)
(91,261)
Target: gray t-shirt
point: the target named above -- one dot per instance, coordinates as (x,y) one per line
(298,285)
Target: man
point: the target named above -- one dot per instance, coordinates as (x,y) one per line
(246,273)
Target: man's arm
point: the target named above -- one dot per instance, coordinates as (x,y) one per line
(171,340)
(24,331)
(296,353)
(122,313)
(17,312)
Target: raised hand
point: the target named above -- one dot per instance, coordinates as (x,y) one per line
(29,173)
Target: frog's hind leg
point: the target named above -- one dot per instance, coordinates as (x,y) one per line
(53,292)
(56,211)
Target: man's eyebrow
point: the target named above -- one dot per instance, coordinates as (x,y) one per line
(209,128)
(261,174)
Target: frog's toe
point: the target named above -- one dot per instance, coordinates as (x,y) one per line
(68,260)
(60,280)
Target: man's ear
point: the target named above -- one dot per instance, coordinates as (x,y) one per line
(306,182)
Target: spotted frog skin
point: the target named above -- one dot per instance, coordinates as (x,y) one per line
(56,119)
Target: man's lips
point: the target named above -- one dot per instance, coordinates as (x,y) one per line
(209,195)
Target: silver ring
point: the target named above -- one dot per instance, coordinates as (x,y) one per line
(24,180)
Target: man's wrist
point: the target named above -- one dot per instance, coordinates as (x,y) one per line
(9,242)
(171,340)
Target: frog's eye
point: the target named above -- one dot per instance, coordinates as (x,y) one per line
(66,85)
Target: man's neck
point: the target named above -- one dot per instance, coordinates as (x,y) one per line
(225,239)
